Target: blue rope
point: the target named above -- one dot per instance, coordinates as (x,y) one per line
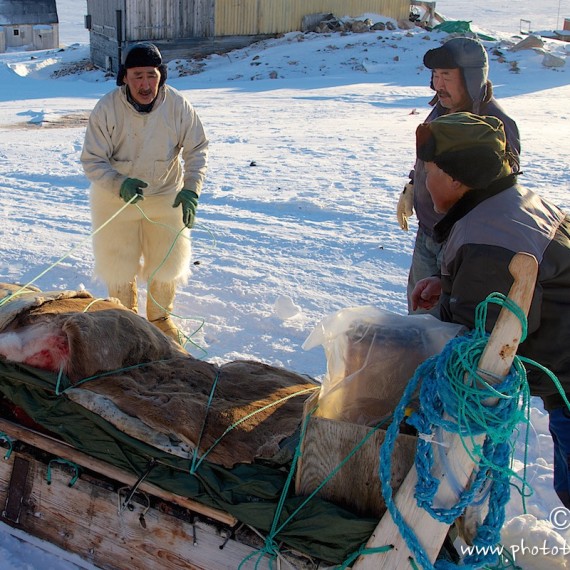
(452,398)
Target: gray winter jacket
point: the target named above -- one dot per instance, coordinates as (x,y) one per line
(482,232)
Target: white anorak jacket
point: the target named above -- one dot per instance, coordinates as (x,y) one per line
(121,143)
(167,149)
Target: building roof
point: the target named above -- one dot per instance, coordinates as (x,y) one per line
(20,12)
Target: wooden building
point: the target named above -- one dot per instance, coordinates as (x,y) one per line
(28,24)
(190,28)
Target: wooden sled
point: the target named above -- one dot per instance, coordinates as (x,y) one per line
(112,458)
(113,522)
(88,517)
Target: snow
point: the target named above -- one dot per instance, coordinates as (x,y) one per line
(312,138)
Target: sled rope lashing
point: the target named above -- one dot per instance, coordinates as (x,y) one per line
(364,551)
(88,237)
(552,377)
(74,466)
(197,461)
(271,548)
(453,397)
(5,437)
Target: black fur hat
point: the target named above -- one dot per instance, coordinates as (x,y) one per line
(142,54)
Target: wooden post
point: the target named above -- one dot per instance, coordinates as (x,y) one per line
(496,360)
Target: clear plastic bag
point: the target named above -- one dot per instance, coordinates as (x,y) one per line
(371,355)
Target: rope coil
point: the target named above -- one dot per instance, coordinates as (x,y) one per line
(453,397)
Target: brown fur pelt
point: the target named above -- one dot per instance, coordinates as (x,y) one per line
(151,383)
(107,337)
(172,398)
(98,335)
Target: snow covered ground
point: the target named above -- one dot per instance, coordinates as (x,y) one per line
(312,138)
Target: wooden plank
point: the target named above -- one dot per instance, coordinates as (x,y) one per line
(68,452)
(496,362)
(356,486)
(84,519)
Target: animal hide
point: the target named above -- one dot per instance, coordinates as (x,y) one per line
(127,370)
(252,408)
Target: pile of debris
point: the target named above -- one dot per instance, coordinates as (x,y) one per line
(73,68)
(327,23)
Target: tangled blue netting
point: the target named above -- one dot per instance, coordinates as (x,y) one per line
(452,397)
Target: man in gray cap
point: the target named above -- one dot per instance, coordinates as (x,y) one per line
(459,78)
(144,146)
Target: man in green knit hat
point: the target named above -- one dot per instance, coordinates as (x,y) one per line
(487,219)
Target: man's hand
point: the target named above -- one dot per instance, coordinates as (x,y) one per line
(405,205)
(426,293)
(132,187)
(189,201)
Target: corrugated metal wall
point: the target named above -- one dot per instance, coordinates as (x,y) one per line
(249,17)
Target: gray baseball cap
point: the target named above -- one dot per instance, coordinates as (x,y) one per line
(467,54)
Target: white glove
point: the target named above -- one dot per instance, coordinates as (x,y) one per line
(405,205)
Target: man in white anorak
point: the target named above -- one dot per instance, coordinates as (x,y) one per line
(145,145)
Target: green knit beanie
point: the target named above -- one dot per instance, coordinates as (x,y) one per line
(470,148)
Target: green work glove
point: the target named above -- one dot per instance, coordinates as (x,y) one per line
(189,201)
(132,187)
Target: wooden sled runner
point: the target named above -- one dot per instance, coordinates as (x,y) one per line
(115,518)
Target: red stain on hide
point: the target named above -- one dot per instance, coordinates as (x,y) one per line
(52,354)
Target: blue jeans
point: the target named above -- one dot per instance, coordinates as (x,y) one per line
(559,425)
(426,261)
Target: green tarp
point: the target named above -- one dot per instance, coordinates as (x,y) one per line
(460,27)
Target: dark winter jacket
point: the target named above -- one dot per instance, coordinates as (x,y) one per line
(482,232)
(423,205)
